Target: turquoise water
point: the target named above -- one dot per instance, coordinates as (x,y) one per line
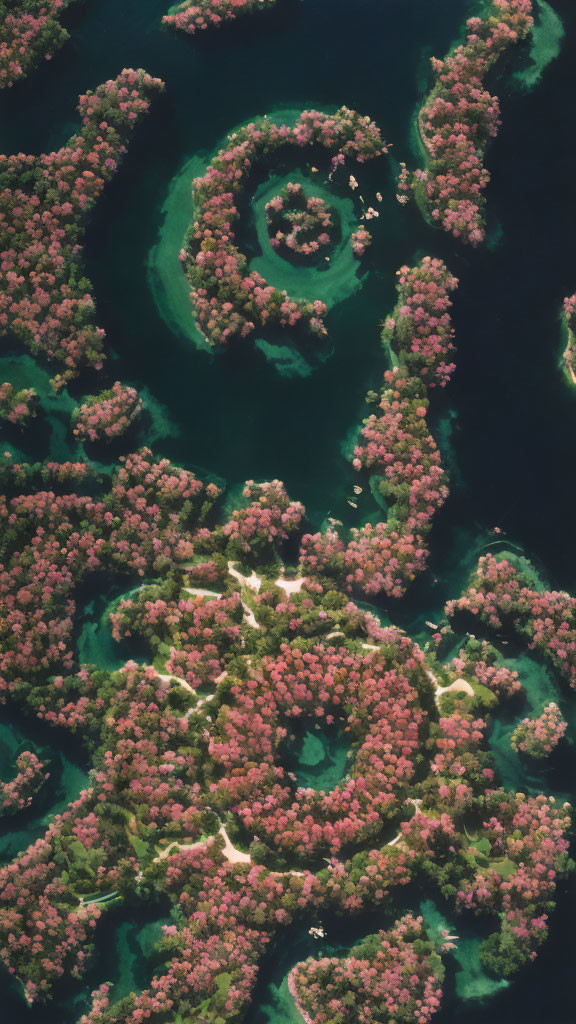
(520,773)
(505,424)
(68,777)
(273,1002)
(95,644)
(318,757)
(466,979)
(204,392)
(469,977)
(125,958)
(127,935)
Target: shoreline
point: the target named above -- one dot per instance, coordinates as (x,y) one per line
(567,350)
(340,277)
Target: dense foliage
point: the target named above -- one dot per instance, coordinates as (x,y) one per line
(539,736)
(17,406)
(298,224)
(108,415)
(44,201)
(202,14)
(228,298)
(460,117)
(30,32)
(190,796)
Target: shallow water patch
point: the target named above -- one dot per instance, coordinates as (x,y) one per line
(317,756)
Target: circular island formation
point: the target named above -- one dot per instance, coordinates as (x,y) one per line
(303,802)
(300,226)
(228,256)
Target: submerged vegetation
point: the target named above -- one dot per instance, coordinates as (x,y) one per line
(240,626)
(230,300)
(460,117)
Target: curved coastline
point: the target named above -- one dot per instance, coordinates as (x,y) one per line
(339,278)
(184,801)
(546,44)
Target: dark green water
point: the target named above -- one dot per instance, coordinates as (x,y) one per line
(292,429)
(507,422)
(126,959)
(95,645)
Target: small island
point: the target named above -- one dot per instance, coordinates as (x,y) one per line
(202,14)
(228,299)
(299,225)
(286,723)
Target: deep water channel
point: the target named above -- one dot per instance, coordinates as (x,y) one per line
(68,777)
(506,424)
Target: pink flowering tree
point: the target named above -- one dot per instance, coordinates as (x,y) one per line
(144,791)
(201,14)
(394,976)
(460,771)
(18,794)
(258,530)
(361,241)
(193,636)
(144,525)
(229,916)
(229,299)
(479,660)
(538,737)
(569,354)
(377,704)
(504,599)
(299,225)
(108,415)
(398,451)
(44,204)
(460,117)
(520,853)
(30,32)
(191,798)
(419,330)
(17,406)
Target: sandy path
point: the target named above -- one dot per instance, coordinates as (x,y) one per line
(198,707)
(201,592)
(178,846)
(253,582)
(458,686)
(176,679)
(230,853)
(290,586)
